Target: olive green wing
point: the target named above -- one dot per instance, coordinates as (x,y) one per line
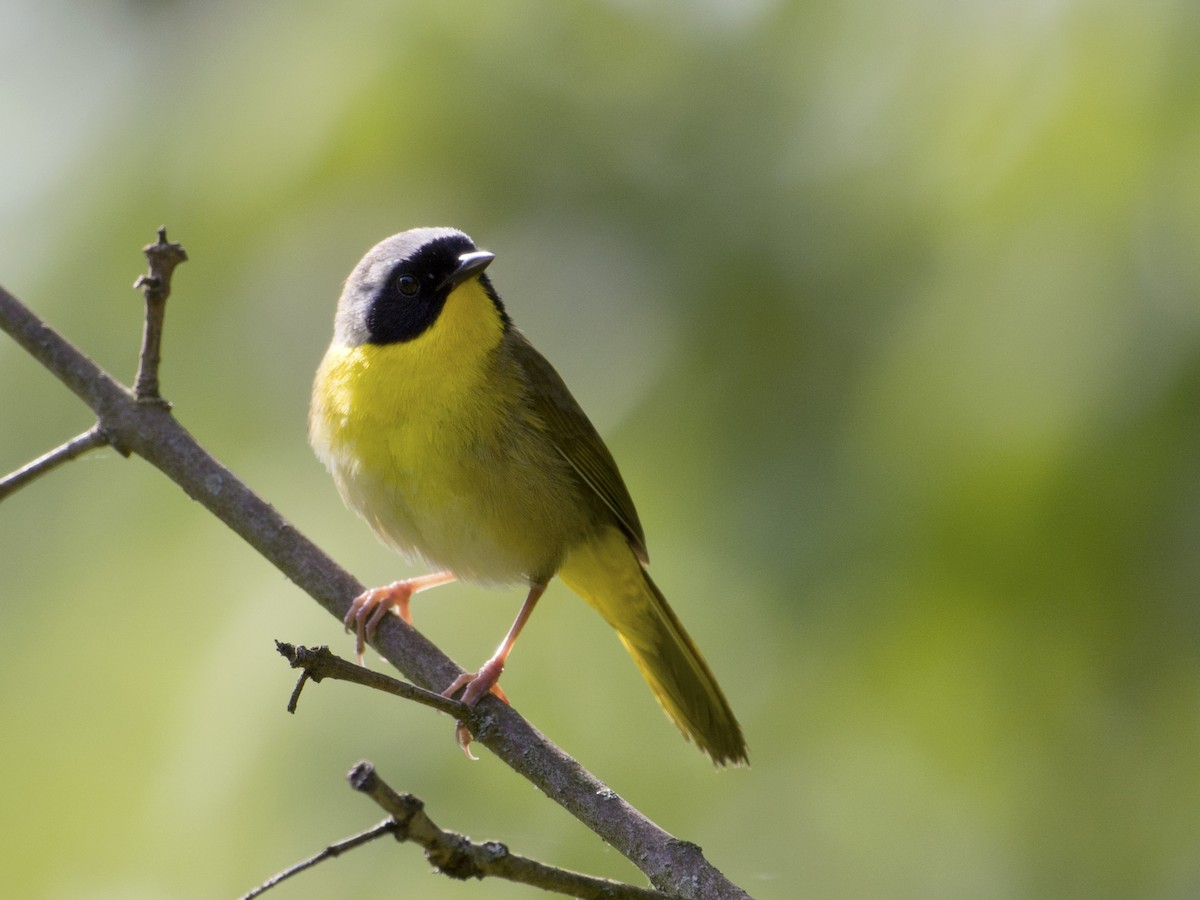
(577,440)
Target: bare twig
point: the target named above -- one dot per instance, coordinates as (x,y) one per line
(455,855)
(333,851)
(149,430)
(320,662)
(91,439)
(458,857)
(163,257)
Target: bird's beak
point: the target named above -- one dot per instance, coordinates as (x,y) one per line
(469,264)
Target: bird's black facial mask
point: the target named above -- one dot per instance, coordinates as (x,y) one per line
(411,296)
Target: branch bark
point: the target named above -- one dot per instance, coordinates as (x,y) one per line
(92,439)
(320,663)
(453,855)
(458,857)
(148,429)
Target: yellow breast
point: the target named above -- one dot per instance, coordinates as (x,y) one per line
(429,441)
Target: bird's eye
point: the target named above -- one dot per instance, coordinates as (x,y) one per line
(408,285)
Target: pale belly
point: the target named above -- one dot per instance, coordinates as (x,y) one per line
(501,512)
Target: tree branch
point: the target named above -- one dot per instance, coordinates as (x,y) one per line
(91,439)
(320,663)
(458,857)
(155,286)
(149,430)
(333,851)
(455,855)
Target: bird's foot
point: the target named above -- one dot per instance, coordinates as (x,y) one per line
(369,608)
(475,688)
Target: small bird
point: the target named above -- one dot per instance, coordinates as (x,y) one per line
(461,446)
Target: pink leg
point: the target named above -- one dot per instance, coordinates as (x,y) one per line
(369,607)
(484,681)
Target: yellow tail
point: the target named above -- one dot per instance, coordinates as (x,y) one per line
(606,573)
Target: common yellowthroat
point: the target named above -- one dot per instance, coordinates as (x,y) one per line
(460,445)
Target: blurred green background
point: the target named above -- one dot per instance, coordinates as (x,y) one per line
(889,312)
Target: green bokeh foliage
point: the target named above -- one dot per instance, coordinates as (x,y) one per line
(889,313)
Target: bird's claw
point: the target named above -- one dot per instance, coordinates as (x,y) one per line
(475,688)
(368,609)
(462,734)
